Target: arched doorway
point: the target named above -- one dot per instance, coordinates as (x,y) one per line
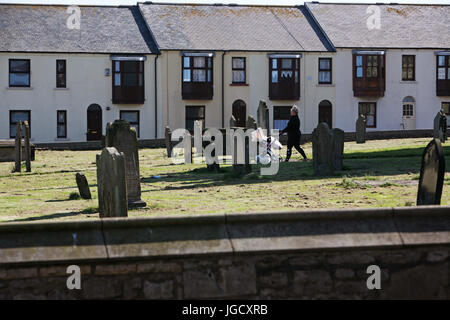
(240,112)
(409,113)
(326,113)
(94,122)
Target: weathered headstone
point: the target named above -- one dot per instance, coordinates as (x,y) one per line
(83,186)
(111,182)
(124,138)
(432,174)
(198,139)
(361,129)
(443,127)
(323,150)
(232,122)
(169,145)
(263,115)
(27,146)
(338,142)
(238,166)
(251,123)
(18,148)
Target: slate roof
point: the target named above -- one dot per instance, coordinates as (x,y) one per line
(232,27)
(43,28)
(402,26)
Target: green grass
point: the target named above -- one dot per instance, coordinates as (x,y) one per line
(378,173)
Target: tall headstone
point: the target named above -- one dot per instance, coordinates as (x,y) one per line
(83,186)
(338,142)
(361,129)
(436,126)
(111,182)
(238,166)
(27,146)
(251,123)
(443,127)
(263,115)
(124,138)
(432,174)
(18,148)
(169,145)
(232,122)
(323,150)
(198,138)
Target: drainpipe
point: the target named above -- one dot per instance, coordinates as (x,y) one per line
(156,98)
(223,88)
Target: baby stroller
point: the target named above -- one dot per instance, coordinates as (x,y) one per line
(267,147)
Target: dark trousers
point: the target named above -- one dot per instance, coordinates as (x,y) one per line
(294,144)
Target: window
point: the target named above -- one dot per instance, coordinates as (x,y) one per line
(238,70)
(194,113)
(132,117)
(60,73)
(446,108)
(325,71)
(443,67)
(408,68)
(281,116)
(284,78)
(61,124)
(16,116)
(19,73)
(408,110)
(128,82)
(197,77)
(368,74)
(369,110)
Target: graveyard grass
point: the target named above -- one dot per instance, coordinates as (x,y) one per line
(379,173)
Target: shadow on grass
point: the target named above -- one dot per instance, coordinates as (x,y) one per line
(395,153)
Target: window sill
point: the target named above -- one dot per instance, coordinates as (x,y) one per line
(238,84)
(58,89)
(325,85)
(19,88)
(408,82)
(62,139)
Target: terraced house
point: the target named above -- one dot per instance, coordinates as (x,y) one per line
(159,65)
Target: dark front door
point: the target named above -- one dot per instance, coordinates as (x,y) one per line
(94,122)
(239,112)
(325,113)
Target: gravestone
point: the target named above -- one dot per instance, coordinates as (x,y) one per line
(18,148)
(361,129)
(238,166)
(323,150)
(431,174)
(124,138)
(251,123)
(83,186)
(263,115)
(27,148)
(111,183)
(198,139)
(232,122)
(338,142)
(443,127)
(436,126)
(169,145)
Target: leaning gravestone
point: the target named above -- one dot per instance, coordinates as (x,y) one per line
(323,150)
(361,129)
(111,182)
(27,146)
(18,148)
(263,115)
(124,138)
(168,140)
(83,186)
(338,142)
(431,174)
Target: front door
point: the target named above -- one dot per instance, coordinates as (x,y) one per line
(94,123)
(325,114)
(239,113)
(409,116)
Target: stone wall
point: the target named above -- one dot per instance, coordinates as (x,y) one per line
(299,255)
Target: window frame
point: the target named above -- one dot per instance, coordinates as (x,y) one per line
(15,123)
(365,114)
(446,66)
(330,70)
(295,67)
(28,72)
(138,123)
(243,69)
(186,116)
(64,123)
(407,68)
(208,67)
(64,73)
(140,70)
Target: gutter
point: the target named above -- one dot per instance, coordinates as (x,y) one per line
(156,97)
(223,88)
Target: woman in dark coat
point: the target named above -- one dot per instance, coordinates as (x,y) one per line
(294,134)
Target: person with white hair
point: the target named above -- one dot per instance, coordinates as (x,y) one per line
(294,134)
